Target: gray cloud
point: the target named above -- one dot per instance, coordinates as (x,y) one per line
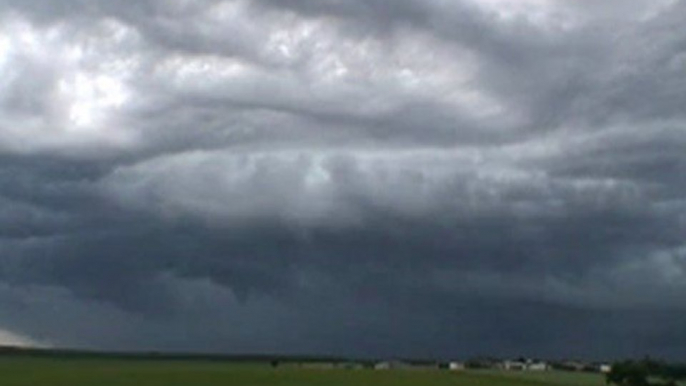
(425,178)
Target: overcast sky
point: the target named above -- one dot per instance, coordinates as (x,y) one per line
(351,177)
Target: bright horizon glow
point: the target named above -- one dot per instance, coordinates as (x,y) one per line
(8,338)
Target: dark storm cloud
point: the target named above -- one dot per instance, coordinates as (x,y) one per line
(366,177)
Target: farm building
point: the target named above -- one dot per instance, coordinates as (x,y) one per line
(524,365)
(513,365)
(537,366)
(388,365)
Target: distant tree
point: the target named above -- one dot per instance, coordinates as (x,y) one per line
(628,373)
(646,372)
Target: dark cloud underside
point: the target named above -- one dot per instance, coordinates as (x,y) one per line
(405,178)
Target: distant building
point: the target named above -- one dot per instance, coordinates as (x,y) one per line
(524,365)
(537,366)
(395,364)
(388,365)
(456,366)
(572,366)
(513,365)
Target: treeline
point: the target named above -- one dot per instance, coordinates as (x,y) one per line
(14,351)
(646,372)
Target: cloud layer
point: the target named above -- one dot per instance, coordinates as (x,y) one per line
(422,178)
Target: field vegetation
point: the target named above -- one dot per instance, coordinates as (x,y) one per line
(31,371)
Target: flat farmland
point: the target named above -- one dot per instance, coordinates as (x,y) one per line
(108,372)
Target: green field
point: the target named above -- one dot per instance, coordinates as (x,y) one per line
(77,372)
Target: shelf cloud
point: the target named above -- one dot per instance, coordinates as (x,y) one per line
(365,177)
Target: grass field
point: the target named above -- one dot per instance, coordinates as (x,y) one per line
(78,372)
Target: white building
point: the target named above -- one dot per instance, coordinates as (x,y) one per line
(513,365)
(522,365)
(388,365)
(537,366)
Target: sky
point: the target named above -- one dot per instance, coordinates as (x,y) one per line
(372,178)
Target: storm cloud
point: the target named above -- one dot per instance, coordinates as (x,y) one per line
(363,177)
